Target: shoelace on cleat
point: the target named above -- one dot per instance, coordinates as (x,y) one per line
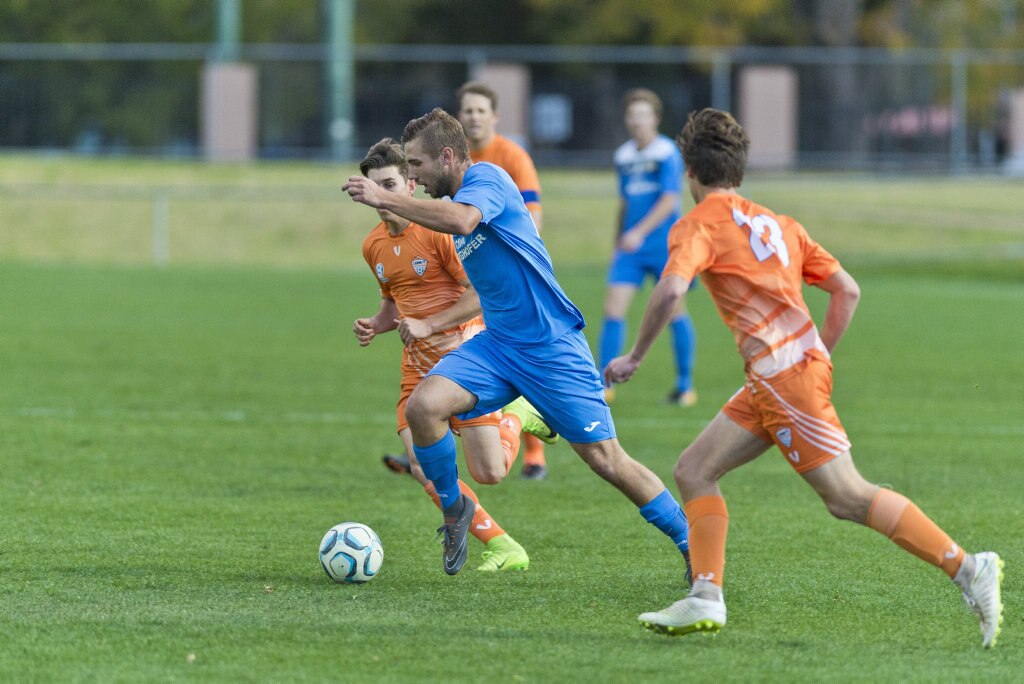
(444,530)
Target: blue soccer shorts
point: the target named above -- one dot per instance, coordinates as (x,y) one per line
(631,268)
(559,379)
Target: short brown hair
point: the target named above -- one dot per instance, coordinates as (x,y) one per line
(438,129)
(478,88)
(384,153)
(714,147)
(642,95)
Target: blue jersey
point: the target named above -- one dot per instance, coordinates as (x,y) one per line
(509,266)
(644,176)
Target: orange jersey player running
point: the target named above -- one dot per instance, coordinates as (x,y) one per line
(754,263)
(478,114)
(426,296)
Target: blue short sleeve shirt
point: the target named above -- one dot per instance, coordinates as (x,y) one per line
(644,176)
(508,265)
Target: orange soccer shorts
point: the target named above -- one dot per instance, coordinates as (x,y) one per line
(409,382)
(793,409)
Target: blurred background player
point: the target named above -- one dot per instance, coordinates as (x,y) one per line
(426,296)
(650,170)
(478,114)
(754,263)
(533,344)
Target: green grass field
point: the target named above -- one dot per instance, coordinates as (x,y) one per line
(175,441)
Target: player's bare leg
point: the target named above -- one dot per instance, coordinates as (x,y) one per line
(434,401)
(609,460)
(487,461)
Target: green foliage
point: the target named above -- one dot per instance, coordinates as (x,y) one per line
(153,105)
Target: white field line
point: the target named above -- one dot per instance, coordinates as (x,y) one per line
(386,418)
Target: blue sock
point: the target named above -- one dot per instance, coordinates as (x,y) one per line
(439,465)
(613,339)
(664,512)
(684,339)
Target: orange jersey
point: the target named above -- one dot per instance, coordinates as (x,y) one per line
(420,270)
(753,264)
(517,163)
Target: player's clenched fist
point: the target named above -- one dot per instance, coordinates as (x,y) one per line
(620,369)
(364,332)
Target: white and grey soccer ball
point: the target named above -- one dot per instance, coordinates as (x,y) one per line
(351,552)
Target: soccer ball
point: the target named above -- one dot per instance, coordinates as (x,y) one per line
(351,552)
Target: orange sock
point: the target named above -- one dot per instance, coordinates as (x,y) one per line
(534,450)
(484,527)
(509,429)
(709,523)
(899,519)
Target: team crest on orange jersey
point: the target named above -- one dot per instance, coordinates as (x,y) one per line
(419,264)
(380,273)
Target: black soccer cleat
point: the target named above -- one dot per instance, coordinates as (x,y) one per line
(397,464)
(453,534)
(534,471)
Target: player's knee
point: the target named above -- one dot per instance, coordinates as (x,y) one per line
(420,411)
(689,469)
(488,474)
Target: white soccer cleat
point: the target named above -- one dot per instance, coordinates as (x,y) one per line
(692,614)
(983,595)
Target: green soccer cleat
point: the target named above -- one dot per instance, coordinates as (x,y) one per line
(532,421)
(983,595)
(690,615)
(504,553)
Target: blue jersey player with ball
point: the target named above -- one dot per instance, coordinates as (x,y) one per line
(533,345)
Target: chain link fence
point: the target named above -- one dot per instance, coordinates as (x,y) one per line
(865,109)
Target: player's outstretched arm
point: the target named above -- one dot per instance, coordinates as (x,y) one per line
(365,329)
(664,302)
(454,218)
(844,295)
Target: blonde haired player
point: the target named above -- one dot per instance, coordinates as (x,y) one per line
(478,114)
(753,263)
(533,345)
(426,296)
